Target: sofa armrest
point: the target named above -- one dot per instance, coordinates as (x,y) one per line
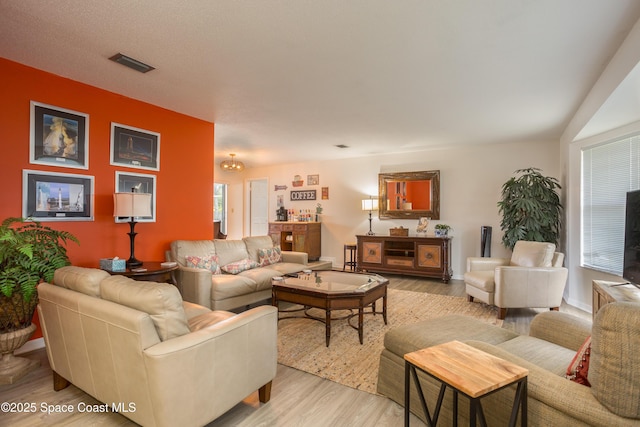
(195,285)
(208,371)
(567,397)
(560,328)
(485,263)
(529,286)
(295,257)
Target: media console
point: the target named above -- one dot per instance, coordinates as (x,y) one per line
(410,255)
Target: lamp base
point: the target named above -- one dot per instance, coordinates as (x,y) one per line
(370,233)
(134,262)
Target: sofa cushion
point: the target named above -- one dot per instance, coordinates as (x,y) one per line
(225,286)
(481,279)
(80,279)
(161,301)
(287,268)
(614,368)
(255,243)
(578,370)
(262,276)
(545,354)
(239,266)
(208,262)
(532,254)
(182,248)
(268,256)
(407,338)
(229,251)
(207,319)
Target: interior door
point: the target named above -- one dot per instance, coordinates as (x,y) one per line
(259,207)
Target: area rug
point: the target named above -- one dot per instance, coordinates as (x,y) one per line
(301,342)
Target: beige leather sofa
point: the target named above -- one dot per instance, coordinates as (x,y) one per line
(137,346)
(614,372)
(228,291)
(534,277)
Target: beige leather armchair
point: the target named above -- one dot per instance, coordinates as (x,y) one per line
(137,347)
(533,277)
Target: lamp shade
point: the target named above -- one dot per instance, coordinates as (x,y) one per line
(131,204)
(370,204)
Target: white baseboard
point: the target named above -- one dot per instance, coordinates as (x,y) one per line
(36,344)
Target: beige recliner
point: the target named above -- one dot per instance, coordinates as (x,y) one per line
(137,347)
(533,277)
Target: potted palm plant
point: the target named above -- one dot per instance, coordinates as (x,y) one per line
(29,253)
(530,208)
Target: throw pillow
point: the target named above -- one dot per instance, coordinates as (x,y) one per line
(240,266)
(268,256)
(207,262)
(579,367)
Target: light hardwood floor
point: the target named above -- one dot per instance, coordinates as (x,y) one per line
(297,398)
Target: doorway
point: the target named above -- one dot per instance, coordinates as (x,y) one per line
(258,203)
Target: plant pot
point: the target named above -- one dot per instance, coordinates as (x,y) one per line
(13,368)
(441,233)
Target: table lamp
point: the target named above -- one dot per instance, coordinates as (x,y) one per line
(132,205)
(370,205)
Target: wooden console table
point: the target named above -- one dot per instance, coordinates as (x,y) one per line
(605,292)
(297,236)
(465,370)
(412,255)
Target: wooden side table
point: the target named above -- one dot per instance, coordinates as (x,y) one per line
(466,370)
(151,271)
(605,292)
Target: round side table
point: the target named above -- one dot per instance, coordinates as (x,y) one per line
(151,271)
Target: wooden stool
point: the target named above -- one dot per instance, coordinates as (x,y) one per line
(352,249)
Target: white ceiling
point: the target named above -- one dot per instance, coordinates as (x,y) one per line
(287,80)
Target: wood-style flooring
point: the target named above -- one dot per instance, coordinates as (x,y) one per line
(297,398)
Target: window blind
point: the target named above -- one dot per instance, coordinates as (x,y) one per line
(609,171)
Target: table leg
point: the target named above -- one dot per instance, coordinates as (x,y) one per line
(327,326)
(384,307)
(361,324)
(455,407)
(407,393)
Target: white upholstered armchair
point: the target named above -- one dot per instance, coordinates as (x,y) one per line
(533,277)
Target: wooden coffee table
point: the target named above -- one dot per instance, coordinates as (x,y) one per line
(333,290)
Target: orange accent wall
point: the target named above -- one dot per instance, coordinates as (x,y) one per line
(184,183)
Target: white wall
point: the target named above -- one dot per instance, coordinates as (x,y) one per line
(471,180)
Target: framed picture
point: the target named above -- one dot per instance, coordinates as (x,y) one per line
(58,137)
(142,183)
(313,179)
(325,193)
(51,196)
(134,148)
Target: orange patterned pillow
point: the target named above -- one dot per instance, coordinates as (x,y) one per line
(579,366)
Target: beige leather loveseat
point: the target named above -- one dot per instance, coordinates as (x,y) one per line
(225,290)
(614,371)
(137,346)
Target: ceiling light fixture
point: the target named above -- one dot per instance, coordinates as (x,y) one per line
(232,165)
(131,63)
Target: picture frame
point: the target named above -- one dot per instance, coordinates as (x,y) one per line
(53,196)
(143,183)
(134,148)
(313,179)
(58,136)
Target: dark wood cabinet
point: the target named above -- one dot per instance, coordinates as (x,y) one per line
(298,237)
(415,256)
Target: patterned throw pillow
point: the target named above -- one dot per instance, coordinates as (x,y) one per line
(579,366)
(206,262)
(268,256)
(240,266)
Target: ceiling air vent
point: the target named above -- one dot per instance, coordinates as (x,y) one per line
(342,146)
(131,63)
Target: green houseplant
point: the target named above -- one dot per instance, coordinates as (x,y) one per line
(530,208)
(29,254)
(442,230)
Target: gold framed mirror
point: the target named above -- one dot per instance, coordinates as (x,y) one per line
(409,195)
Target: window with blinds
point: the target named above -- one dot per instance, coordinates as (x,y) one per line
(608,172)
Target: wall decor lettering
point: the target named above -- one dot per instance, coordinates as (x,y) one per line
(303,195)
